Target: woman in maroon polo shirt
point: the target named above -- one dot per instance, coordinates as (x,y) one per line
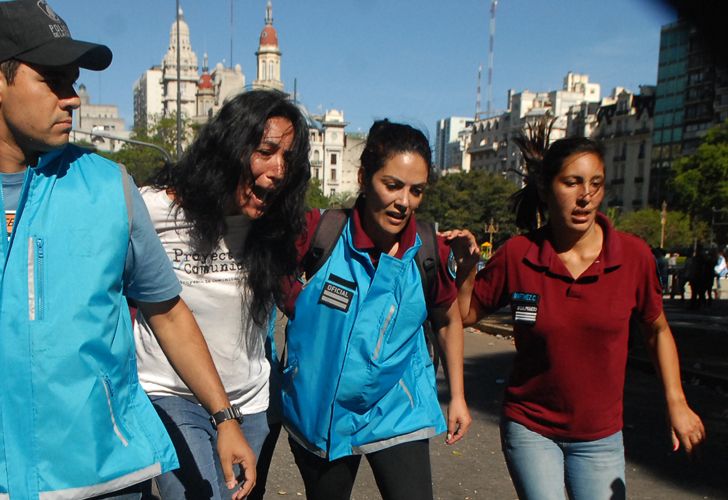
(572,286)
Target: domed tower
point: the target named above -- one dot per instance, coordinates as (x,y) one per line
(269,55)
(205,93)
(188,71)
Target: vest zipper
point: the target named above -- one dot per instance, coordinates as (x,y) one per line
(40,279)
(117,431)
(36,278)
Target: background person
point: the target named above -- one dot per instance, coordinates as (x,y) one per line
(573,285)
(227,216)
(358,378)
(74,422)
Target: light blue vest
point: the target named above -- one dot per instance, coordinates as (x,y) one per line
(74,421)
(358,377)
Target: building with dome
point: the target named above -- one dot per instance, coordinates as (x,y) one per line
(334,152)
(155,92)
(269,55)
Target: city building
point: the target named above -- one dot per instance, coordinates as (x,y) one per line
(491,147)
(448,145)
(269,55)
(148,92)
(201,95)
(334,153)
(624,126)
(92,121)
(691,97)
(188,74)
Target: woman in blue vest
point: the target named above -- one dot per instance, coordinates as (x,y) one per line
(358,379)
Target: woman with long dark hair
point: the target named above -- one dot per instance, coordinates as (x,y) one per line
(358,379)
(228,215)
(572,285)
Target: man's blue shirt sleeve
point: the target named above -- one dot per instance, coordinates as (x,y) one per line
(148,274)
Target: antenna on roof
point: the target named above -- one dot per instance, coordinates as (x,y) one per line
(491,40)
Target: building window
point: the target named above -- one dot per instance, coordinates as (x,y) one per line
(333,174)
(333,158)
(332,192)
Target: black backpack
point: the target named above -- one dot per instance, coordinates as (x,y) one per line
(428,259)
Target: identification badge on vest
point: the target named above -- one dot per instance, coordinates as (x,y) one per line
(524,307)
(337,293)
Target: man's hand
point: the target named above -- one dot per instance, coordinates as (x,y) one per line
(232,448)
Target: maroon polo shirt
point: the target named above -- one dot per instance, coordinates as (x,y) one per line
(443,292)
(571,334)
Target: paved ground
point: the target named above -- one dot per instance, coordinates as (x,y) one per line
(474,468)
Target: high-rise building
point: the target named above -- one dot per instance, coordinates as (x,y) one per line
(691,97)
(448,147)
(148,98)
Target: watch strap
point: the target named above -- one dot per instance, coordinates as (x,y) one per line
(229,413)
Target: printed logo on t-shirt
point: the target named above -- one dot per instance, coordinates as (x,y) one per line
(337,293)
(524,307)
(9,221)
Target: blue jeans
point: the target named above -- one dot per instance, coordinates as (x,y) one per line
(200,474)
(542,467)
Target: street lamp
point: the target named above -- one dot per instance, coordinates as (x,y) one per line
(136,142)
(179,91)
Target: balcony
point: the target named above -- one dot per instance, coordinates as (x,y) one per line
(639,180)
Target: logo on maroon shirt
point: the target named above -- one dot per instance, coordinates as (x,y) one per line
(524,307)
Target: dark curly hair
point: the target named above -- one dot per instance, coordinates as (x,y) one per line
(206,178)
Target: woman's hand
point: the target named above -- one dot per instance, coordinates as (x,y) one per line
(686,428)
(465,249)
(458,420)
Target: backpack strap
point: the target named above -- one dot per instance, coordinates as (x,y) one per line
(331,225)
(327,233)
(427,258)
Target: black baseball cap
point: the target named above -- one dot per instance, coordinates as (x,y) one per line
(31,32)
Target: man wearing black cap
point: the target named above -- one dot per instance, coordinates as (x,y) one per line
(74,422)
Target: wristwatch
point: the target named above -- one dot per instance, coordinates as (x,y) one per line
(229,413)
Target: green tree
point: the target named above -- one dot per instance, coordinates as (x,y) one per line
(701,179)
(314,196)
(469,201)
(646,223)
(143,161)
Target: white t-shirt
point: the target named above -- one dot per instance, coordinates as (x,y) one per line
(211,288)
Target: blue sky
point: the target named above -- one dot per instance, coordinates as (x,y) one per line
(407,60)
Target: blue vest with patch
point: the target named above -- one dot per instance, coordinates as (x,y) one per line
(74,422)
(358,377)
